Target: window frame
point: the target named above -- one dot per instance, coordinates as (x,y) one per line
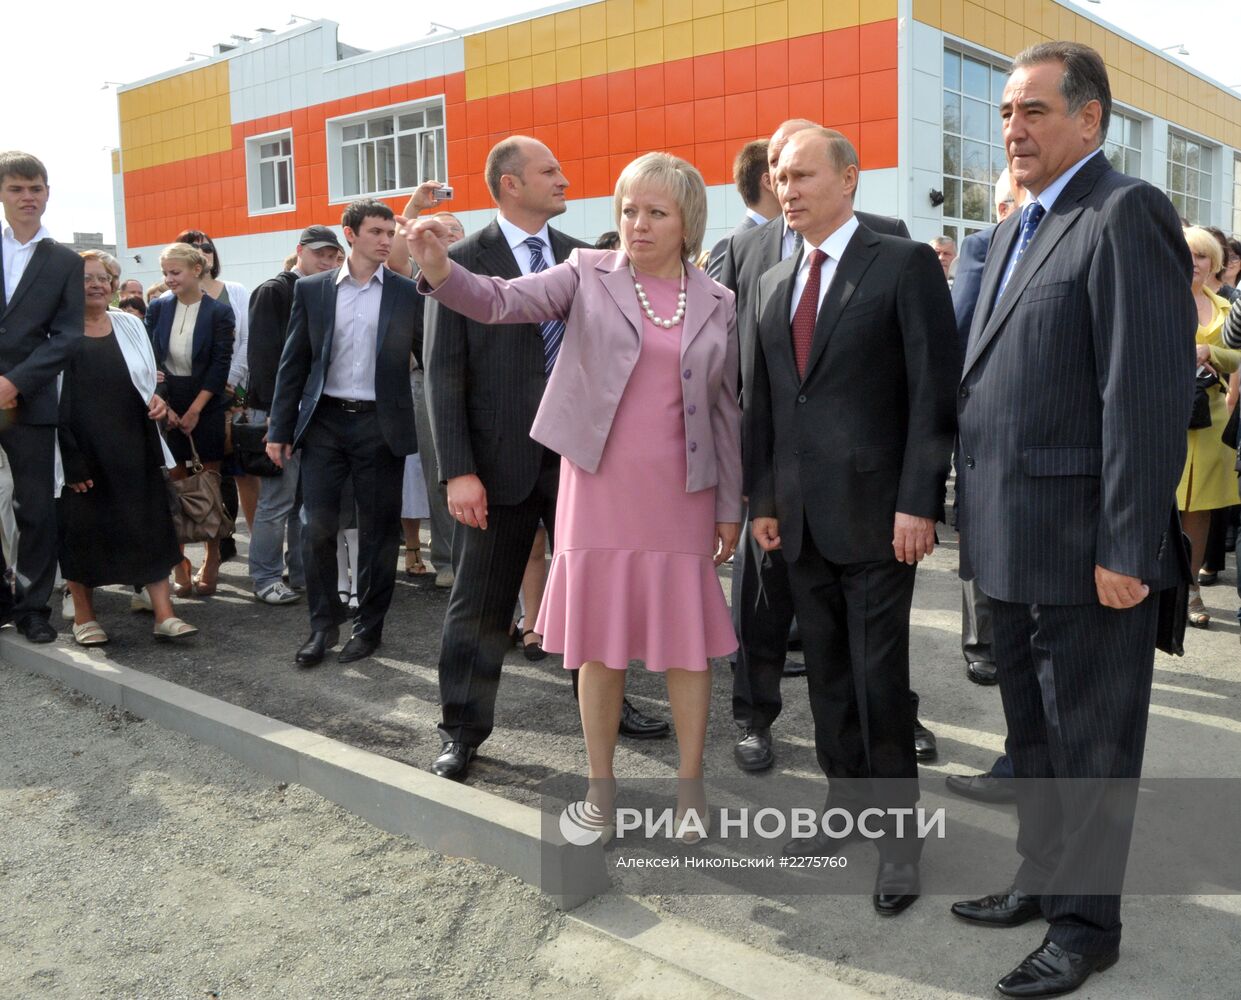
(394,158)
(1206,153)
(254,168)
(1139,123)
(957,225)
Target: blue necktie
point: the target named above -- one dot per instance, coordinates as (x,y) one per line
(1031,216)
(553,329)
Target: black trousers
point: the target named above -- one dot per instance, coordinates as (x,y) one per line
(488,567)
(340,446)
(31,450)
(1076,686)
(854,621)
(975,624)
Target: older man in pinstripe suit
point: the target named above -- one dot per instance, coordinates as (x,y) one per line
(1072,412)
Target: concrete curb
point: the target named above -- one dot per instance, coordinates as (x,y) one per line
(452,819)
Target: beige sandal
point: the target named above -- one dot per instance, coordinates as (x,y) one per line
(89,633)
(1199,617)
(174,628)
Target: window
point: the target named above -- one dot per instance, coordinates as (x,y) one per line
(973,142)
(389,151)
(1189,178)
(269,172)
(1123,146)
(1236,194)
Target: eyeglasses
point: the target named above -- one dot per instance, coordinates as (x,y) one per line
(97,279)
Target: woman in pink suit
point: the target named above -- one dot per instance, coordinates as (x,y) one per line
(642,407)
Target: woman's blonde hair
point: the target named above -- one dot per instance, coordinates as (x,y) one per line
(110,264)
(683,183)
(184,253)
(1203,243)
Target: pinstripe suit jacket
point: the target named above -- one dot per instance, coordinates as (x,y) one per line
(1075,396)
(484,384)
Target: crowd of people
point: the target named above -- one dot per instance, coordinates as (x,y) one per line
(648,410)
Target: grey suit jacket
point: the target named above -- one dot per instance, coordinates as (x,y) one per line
(968,281)
(40,320)
(716,261)
(484,384)
(1075,396)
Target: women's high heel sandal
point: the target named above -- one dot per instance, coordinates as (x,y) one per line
(1199,617)
(533,651)
(184,589)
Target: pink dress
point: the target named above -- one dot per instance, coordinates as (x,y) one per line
(632,575)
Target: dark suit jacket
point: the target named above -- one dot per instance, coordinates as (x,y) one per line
(1075,396)
(40,321)
(308,353)
(484,384)
(968,281)
(748,255)
(213,339)
(271,304)
(869,430)
(716,260)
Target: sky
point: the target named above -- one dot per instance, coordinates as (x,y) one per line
(72,124)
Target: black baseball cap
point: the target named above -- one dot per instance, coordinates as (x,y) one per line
(318,237)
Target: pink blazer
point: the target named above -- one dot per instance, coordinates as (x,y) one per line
(593,293)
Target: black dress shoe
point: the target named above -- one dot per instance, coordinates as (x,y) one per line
(1005,909)
(925,747)
(36,628)
(1207,578)
(793,668)
(753,751)
(454,761)
(637,726)
(1052,971)
(981,672)
(359,647)
(896,887)
(315,648)
(821,845)
(982,788)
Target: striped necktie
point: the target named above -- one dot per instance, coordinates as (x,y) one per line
(553,329)
(1031,216)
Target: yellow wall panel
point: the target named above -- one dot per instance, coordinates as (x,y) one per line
(771,22)
(678,40)
(520,74)
(994,33)
(648,14)
(620,53)
(116,161)
(876,10)
(543,69)
(594,21)
(805,18)
(648,47)
(568,64)
(738,28)
(974,22)
(737,5)
(708,35)
(952,16)
(927,11)
(497,79)
(1014,37)
(497,46)
(542,36)
(568,29)
(476,83)
(708,8)
(1124,56)
(475,51)
(835,13)
(594,57)
(676,11)
(620,17)
(519,40)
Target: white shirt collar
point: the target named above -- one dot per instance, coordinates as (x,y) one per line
(42,234)
(758,219)
(834,245)
(1053,190)
(516,236)
(343,273)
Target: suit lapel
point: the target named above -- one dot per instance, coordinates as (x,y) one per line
(701,298)
(562,246)
(202,326)
(774,327)
(494,256)
(163,329)
(853,264)
(329,317)
(37,260)
(620,286)
(387,299)
(773,242)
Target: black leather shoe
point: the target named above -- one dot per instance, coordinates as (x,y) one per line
(359,647)
(896,887)
(793,668)
(637,726)
(925,747)
(981,672)
(982,788)
(821,845)
(1005,909)
(1052,971)
(36,628)
(315,648)
(454,761)
(1206,578)
(753,751)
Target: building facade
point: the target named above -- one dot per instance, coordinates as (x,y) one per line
(259,141)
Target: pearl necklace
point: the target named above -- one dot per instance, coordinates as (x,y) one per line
(644,302)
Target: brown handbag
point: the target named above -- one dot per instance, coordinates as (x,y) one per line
(197,504)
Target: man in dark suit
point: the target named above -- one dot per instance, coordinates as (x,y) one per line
(849,430)
(753,181)
(342,396)
(761,603)
(40,318)
(484,384)
(1072,408)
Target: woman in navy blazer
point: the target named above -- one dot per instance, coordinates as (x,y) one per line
(192,335)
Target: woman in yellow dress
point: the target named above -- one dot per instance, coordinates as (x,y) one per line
(1209,480)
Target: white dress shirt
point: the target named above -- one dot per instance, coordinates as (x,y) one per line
(517,237)
(351,369)
(757,219)
(834,247)
(17,256)
(180,360)
(788,240)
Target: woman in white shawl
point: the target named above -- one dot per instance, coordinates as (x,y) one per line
(115,522)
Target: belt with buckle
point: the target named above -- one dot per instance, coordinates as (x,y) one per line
(350,405)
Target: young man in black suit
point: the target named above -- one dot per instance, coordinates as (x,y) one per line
(40,318)
(483,386)
(342,396)
(849,427)
(1073,404)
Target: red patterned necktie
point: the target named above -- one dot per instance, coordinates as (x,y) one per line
(807,312)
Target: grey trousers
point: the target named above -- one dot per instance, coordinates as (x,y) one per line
(441,523)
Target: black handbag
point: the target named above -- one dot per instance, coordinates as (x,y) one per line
(250,447)
(1230,428)
(1204,383)
(1174,602)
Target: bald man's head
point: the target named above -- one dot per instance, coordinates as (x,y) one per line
(780,136)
